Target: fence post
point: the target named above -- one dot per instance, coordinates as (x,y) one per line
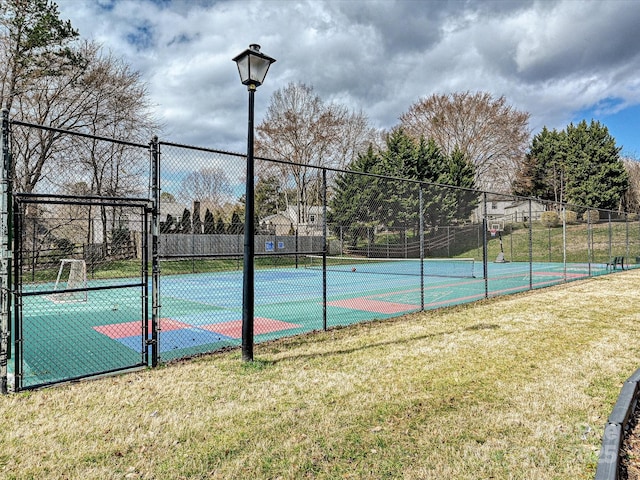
(610,236)
(5,256)
(589,240)
(296,242)
(155,264)
(324,249)
(421,215)
(530,246)
(564,241)
(627,249)
(485,252)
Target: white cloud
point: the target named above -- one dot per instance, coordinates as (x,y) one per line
(550,58)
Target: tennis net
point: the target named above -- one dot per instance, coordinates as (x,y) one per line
(434,267)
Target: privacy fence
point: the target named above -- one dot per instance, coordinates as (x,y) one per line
(119,255)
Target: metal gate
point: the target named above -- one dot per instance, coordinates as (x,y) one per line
(81,304)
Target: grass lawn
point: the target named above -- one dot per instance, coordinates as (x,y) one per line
(516,387)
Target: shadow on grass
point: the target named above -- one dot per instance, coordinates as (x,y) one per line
(263,363)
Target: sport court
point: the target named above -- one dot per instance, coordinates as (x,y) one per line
(202,312)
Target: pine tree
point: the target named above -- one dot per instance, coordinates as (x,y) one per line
(236,227)
(185,222)
(197,223)
(597,177)
(209,223)
(579,165)
(220,227)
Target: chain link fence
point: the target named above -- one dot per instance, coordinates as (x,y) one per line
(118,255)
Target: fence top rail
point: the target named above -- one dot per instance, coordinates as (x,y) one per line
(79,134)
(325,168)
(82,199)
(201,149)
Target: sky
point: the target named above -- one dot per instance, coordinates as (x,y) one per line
(561,61)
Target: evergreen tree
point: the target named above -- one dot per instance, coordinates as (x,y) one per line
(356,198)
(236,227)
(360,202)
(167,226)
(220,227)
(579,165)
(269,197)
(462,174)
(185,223)
(542,174)
(598,178)
(39,45)
(197,223)
(209,223)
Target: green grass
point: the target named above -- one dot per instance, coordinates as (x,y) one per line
(512,388)
(547,246)
(131,268)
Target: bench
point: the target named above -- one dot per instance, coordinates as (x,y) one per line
(616,261)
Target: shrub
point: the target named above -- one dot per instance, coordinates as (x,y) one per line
(570,217)
(592,216)
(64,247)
(549,219)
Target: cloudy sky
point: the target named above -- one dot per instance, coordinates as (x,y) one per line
(560,60)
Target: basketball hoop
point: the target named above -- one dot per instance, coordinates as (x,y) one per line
(493,232)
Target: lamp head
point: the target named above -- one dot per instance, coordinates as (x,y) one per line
(253,66)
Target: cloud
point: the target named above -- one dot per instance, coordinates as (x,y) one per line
(551,58)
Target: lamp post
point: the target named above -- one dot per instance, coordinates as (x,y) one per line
(252,66)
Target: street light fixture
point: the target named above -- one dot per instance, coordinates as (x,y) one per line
(252,66)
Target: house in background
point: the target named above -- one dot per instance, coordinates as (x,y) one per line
(309,222)
(503,209)
(277,224)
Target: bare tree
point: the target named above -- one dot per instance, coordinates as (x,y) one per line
(491,133)
(208,186)
(300,128)
(112,102)
(632,197)
(54,101)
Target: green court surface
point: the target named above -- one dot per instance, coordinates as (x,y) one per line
(202,313)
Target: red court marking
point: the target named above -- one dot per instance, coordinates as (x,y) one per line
(375,306)
(260,325)
(129,329)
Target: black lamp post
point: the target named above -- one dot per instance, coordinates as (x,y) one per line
(252,66)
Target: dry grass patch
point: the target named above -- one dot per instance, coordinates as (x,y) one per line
(517,387)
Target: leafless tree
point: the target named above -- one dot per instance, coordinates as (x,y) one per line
(113,102)
(490,132)
(208,186)
(300,128)
(632,197)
